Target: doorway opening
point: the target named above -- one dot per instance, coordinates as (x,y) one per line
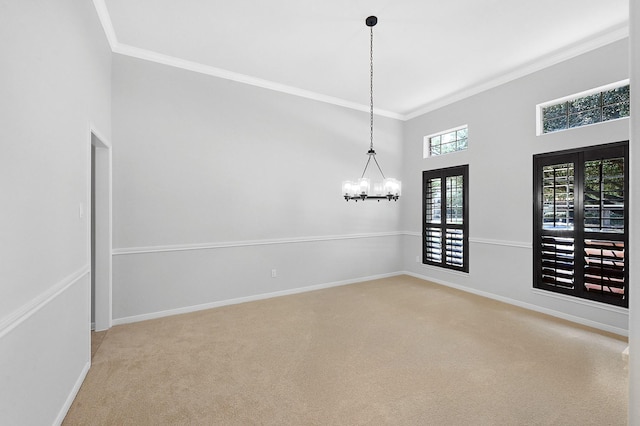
(100,233)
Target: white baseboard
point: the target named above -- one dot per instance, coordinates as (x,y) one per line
(529,306)
(195,308)
(74,392)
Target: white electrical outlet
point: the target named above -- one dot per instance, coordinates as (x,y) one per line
(274,273)
(417,259)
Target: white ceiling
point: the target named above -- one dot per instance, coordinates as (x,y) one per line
(426,53)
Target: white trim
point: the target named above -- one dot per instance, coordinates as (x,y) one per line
(584,93)
(72,395)
(541,106)
(580,301)
(445,270)
(104,226)
(105,20)
(444,132)
(529,306)
(504,243)
(426,147)
(412,234)
(634,210)
(609,36)
(209,246)
(148,55)
(211,305)
(17,317)
(101,138)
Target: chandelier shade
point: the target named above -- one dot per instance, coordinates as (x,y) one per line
(364,188)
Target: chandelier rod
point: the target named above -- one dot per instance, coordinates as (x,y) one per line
(371,87)
(371,22)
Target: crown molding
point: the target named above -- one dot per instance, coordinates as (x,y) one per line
(148,55)
(105,20)
(615,33)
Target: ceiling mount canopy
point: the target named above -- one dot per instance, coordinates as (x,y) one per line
(362,189)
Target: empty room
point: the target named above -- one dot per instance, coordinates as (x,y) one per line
(319,213)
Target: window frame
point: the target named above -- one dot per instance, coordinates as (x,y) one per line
(426,141)
(579,234)
(597,90)
(442,174)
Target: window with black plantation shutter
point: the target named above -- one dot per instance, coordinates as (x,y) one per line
(581,226)
(445,233)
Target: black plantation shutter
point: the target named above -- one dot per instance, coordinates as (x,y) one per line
(556,199)
(605,234)
(604,270)
(445,212)
(581,226)
(558,261)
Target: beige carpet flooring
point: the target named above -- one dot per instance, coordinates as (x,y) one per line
(96,340)
(396,351)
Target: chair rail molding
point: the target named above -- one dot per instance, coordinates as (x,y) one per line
(17,317)
(248,243)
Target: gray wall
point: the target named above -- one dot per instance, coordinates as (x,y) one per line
(256,174)
(55,80)
(195,158)
(502,141)
(199,219)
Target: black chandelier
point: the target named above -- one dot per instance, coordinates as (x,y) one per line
(363,189)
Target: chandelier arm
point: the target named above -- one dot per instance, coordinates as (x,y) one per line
(367,165)
(377,164)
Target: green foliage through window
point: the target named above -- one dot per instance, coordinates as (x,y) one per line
(446,142)
(590,109)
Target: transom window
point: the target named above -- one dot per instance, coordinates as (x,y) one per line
(445,232)
(581,223)
(445,142)
(605,103)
